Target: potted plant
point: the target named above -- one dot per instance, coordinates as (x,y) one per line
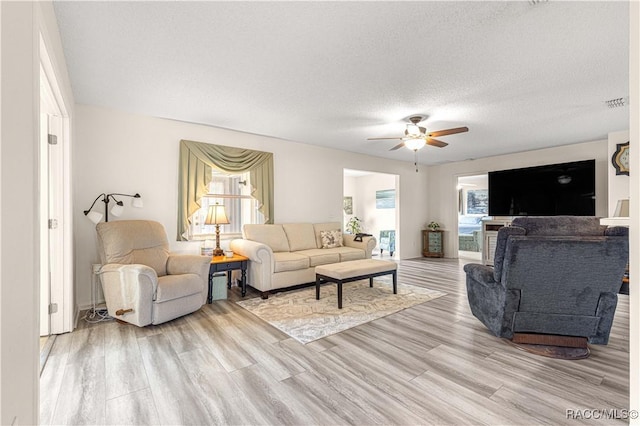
(433,225)
(354,226)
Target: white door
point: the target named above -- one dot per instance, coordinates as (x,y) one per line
(45,286)
(56,224)
(51,183)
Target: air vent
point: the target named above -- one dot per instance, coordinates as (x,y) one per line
(617,103)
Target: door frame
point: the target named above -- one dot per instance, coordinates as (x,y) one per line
(460,209)
(350,172)
(62,289)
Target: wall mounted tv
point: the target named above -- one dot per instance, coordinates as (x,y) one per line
(550,190)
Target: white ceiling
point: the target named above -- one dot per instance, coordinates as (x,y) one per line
(520,76)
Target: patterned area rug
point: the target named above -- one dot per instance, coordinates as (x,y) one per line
(306,319)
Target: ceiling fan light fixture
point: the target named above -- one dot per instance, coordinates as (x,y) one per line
(415,144)
(415,137)
(413,130)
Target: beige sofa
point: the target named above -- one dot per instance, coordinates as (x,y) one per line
(286,255)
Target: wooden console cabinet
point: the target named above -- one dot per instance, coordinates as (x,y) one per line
(433,243)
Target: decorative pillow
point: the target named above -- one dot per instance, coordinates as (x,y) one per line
(331,239)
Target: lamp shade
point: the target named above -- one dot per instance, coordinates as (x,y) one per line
(622,208)
(94,217)
(117,210)
(413,130)
(414,144)
(137,201)
(216,215)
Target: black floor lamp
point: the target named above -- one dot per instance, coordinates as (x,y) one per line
(117,209)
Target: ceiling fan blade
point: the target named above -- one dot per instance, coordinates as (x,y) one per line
(380,139)
(448,131)
(400,145)
(435,142)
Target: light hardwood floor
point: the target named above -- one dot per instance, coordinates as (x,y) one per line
(430,364)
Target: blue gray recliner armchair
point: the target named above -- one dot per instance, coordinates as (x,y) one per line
(552,275)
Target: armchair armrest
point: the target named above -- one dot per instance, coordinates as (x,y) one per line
(262,262)
(482,274)
(617,231)
(255,251)
(367,244)
(189,264)
(130,288)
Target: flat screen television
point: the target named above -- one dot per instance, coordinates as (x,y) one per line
(550,190)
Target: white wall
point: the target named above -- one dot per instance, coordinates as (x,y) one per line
(18,215)
(442,180)
(618,185)
(121,152)
(20,24)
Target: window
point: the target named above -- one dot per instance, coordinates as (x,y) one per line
(199,162)
(232,191)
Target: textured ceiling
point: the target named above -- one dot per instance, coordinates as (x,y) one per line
(520,76)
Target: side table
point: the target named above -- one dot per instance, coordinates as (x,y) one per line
(433,243)
(228,264)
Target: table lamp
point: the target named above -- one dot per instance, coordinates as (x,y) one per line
(622,208)
(217,216)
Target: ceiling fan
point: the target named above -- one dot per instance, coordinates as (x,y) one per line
(415,137)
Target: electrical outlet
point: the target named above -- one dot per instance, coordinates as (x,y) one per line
(95,268)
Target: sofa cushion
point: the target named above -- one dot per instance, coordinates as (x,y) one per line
(300,236)
(320,256)
(331,239)
(271,235)
(285,261)
(327,226)
(349,253)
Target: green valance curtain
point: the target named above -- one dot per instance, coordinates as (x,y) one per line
(196,161)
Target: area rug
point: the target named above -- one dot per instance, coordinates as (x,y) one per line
(301,316)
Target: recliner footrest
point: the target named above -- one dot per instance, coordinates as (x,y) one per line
(550,340)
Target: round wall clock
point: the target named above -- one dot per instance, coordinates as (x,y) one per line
(620,159)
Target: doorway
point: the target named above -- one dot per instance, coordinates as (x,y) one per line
(373,199)
(473,206)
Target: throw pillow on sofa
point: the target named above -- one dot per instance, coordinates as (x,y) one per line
(331,239)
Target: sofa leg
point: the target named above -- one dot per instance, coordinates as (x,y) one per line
(264,295)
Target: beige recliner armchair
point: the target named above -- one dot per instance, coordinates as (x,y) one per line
(142,282)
